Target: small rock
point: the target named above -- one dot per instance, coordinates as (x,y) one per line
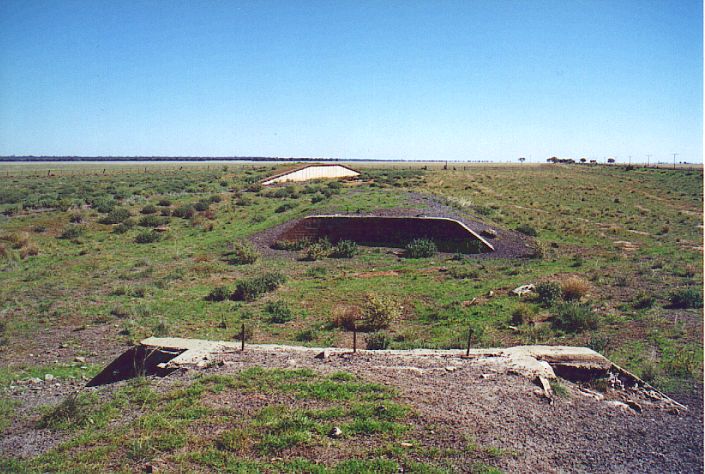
(80,359)
(513,328)
(48,377)
(452,368)
(523,290)
(634,406)
(292,362)
(323,355)
(34,380)
(490,294)
(485,376)
(335,432)
(63,345)
(404,444)
(491,233)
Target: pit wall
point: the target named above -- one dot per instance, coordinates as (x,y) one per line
(449,235)
(313,172)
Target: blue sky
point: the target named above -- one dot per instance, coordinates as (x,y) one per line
(465,80)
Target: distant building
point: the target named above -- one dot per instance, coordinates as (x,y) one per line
(311,172)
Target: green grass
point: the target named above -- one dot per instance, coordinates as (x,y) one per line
(161,287)
(140,422)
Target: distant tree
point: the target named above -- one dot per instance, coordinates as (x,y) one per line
(522,159)
(583,160)
(553,159)
(610,160)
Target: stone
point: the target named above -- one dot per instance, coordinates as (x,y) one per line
(404,444)
(523,290)
(491,233)
(490,294)
(80,359)
(48,377)
(335,433)
(452,368)
(323,355)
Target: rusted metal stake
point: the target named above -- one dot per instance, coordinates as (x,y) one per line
(354,338)
(467,351)
(242,338)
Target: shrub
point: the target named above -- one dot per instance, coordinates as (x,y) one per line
(115,216)
(28,250)
(72,232)
(149,209)
(548,292)
(184,212)
(241,253)
(279,312)
(39,229)
(153,221)
(463,272)
(164,203)
(421,248)
(252,288)
(219,293)
(378,341)
(686,298)
(526,229)
(317,251)
(216,197)
(299,244)
(201,206)
(123,227)
(346,317)
(522,314)
(285,207)
(599,343)
(76,218)
(104,206)
(17,239)
(147,237)
(345,249)
(643,301)
(378,312)
(574,317)
(574,288)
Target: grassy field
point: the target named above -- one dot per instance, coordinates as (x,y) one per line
(83,272)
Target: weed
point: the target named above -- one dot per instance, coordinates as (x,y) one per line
(643,301)
(252,288)
(279,312)
(522,314)
(72,232)
(378,341)
(686,298)
(548,292)
(574,317)
(379,311)
(219,293)
(241,252)
(73,412)
(574,288)
(115,216)
(421,248)
(345,249)
(526,229)
(147,237)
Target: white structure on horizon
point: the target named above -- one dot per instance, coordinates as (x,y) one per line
(311,172)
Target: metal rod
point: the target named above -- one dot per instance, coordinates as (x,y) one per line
(354,338)
(467,350)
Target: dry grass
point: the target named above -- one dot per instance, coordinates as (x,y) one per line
(573,288)
(345,316)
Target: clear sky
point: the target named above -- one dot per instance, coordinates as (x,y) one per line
(465,80)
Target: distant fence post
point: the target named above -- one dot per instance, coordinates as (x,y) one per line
(242,338)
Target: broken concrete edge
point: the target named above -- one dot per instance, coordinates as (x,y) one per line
(540,364)
(431,218)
